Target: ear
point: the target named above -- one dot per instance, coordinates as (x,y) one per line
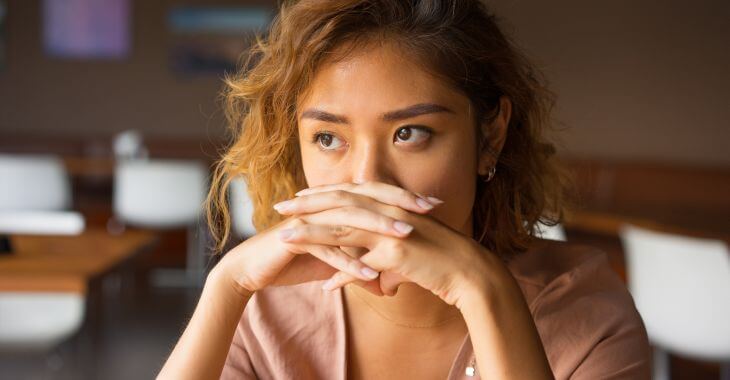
(494,135)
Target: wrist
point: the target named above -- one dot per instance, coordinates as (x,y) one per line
(221,279)
(487,283)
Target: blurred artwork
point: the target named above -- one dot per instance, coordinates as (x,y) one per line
(212,40)
(87,29)
(3,16)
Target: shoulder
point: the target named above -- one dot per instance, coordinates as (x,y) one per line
(584,313)
(552,269)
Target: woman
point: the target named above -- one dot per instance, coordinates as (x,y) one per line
(400,146)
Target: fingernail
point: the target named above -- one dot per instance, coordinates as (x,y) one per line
(424,204)
(369,273)
(286,233)
(283,206)
(402,227)
(328,285)
(434,200)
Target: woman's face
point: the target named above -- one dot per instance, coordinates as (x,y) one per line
(375,116)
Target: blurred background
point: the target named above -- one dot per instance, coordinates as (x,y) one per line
(110,120)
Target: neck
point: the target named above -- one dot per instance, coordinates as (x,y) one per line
(410,306)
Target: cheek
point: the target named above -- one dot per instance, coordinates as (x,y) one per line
(449,176)
(317,171)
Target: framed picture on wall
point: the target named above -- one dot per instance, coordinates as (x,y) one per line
(208,40)
(3,33)
(86,29)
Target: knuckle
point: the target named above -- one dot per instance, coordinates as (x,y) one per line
(350,209)
(339,195)
(399,213)
(413,197)
(357,212)
(295,221)
(340,231)
(396,251)
(369,186)
(359,200)
(385,223)
(405,194)
(353,266)
(329,251)
(339,277)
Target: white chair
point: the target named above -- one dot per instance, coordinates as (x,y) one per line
(38,321)
(34,195)
(159,193)
(241,208)
(33,182)
(41,222)
(556,232)
(681,287)
(164,194)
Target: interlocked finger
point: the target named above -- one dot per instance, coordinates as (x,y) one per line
(338,259)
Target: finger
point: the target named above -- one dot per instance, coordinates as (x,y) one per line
(396,267)
(389,286)
(360,218)
(338,259)
(384,193)
(324,200)
(341,279)
(338,280)
(335,235)
(336,186)
(355,252)
(372,286)
(387,192)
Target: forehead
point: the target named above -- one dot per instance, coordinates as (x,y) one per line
(374,80)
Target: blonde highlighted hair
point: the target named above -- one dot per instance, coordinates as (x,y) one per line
(459,41)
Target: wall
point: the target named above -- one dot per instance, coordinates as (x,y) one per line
(636,80)
(40,95)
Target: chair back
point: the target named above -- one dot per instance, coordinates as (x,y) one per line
(681,287)
(159,193)
(38,321)
(241,208)
(33,182)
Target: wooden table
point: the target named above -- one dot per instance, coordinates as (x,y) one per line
(76,264)
(610,224)
(68,263)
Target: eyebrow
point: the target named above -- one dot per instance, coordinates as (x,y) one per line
(401,114)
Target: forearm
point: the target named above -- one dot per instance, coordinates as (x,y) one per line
(201,351)
(503,334)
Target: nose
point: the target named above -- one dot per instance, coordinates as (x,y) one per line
(370,163)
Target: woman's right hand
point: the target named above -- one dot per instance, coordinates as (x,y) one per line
(265,260)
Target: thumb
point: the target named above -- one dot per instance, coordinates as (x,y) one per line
(389,282)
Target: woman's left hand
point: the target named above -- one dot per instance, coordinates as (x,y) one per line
(434,256)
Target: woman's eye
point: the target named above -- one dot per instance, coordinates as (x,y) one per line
(412,135)
(328,141)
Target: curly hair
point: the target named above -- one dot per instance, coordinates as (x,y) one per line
(457,40)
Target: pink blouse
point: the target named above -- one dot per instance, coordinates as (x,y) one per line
(585,316)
